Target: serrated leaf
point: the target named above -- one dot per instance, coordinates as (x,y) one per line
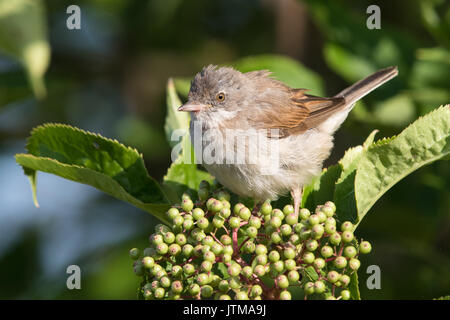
(91,159)
(353,287)
(23,35)
(384,164)
(311,273)
(321,189)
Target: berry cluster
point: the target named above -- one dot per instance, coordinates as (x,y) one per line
(216,251)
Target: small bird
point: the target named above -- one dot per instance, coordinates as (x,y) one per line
(292,130)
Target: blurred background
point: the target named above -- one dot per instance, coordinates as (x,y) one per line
(110,76)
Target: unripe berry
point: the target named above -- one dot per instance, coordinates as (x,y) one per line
(276,237)
(224,297)
(340,262)
(222,195)
(162,248)
(293,276)
(309,288)
(294,239)
(218,222)
(234,283)
(347,236)
(209,256)
(226,257)
(285,295)
(305,233)
(252,232)
(331,205)
(223,286)
(172,213)
(288,209)
(241,295)
(187,250)
(345,294)
(225,239)
(285,230)
(165,282)
(215,206)
(159,293)
(203,194)
(188,269)
(274,256)
(169,237)
(275,222)
(277,266)
(174,249)
(177,271)
(344,280)
(206,266)
(346,226)
(228,250)
(278,213)
(187,205)
(237,207)
(249,247)
(216,248)
(313,220)
(234,222)
(260,249)
(234,269)
(350,251)
(311,245)
(156,239)
(198,213)
(333,276)
(282,281)
(188,224)
(319,263)
(304,214)
(225,213)
(326,251)
(365,247)
(148,262)
(161,228)
(266,209)
(291,219)
(259,270)
(177,286)
(245,213)
(354,264)
(203,223)
(202,279)
(256,291)
(261,259)
(319,287)
(289,253)
(330,228)
(134,253)
(290,264)
(328,210)
(322,216)
(308,257)
(254,222)
(317,231)
(247,272)
(335,238)
(194,289)
(180,239)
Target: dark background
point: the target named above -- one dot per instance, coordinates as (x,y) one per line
(110,76)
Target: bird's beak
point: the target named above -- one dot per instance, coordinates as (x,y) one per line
(192,107)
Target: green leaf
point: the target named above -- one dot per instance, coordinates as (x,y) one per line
(183,173)
(91,159)
(23,35)
(285,69)
(311,273)
(387,162)
(443,298)
(353,287)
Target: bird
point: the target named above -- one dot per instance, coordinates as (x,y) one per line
(261,138)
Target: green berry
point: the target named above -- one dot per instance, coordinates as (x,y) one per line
(223,286)
(234,222)
(224,297)
(216,248)
(346,226)
(275,222)
(277,266)
(365,247)
(319,287)
(206,266)
(202,279)
(276,237)
(245,213)
(174,249)
(319,263)
(252,232)
(291,219)
(203,194)
(177,286)
(278,213)
(345,294)
(354,264)
(266,208)
(187,205)
(286,230)
(285,295)
(289,253)
(188,224)
(311,245)
(317,231)
(237,207)
(329,228)
(288,209)
(198,213)
(148,262)
(216,206)
(134,253)
(241,295)
(304,214)
(313,220)
(293,276)
(218,221)
(225,213)
(290,264)
(274,256)
(259,270)
(165,282)
(222,195)
(333,276)
(162,248)
(187,250)
(169,237)
(335,238)
(308,257)
(256,291)
(261,249)
(328,210)
(225,239)
(347,236)
(254,222)
(261,259)
(172,213)
(159,293)
(282,281)
(350,251)
(188,269)
(340,262)
(309,288)
(194,289)
(234,270)
(345,280)
(247,272)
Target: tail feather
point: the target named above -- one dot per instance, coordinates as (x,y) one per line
(367,85)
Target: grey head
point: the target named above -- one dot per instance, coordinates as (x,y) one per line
(214,89)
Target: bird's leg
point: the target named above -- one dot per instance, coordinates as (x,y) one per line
(296,194)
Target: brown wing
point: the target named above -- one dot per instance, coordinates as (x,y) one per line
(302,113)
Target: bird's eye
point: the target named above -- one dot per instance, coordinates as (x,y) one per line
(220,96)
